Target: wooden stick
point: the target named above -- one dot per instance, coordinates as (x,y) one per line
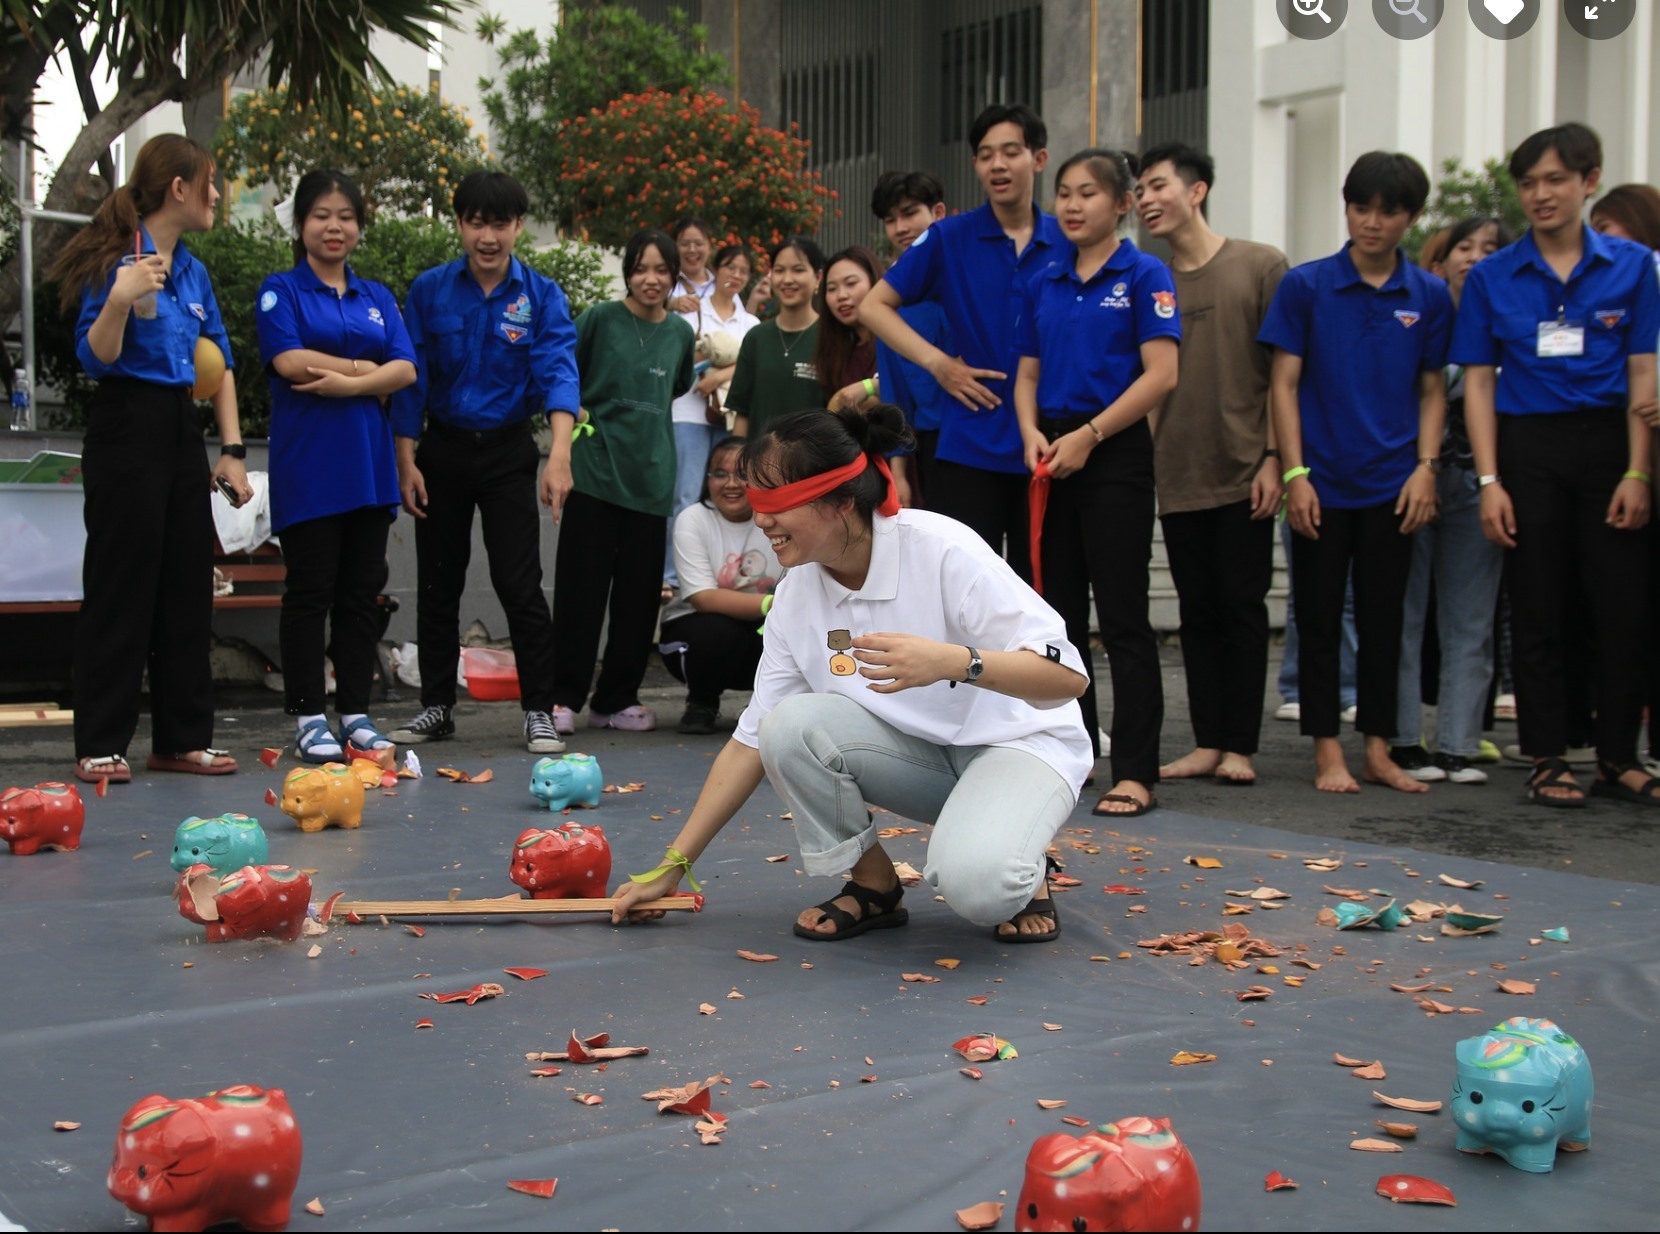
(603,1053)
(510,905)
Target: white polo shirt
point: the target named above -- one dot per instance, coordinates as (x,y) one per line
(935,578)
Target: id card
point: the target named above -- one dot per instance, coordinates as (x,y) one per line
(1560,338)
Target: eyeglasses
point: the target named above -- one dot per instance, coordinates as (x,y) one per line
(721,477)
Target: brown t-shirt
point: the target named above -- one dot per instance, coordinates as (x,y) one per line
(1211,431)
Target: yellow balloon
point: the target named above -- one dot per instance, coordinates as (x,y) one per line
(210,368)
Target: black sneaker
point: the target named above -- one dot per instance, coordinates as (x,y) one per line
(540,735)
(1416,762)
(1459,769)
(433,724)
(698,720)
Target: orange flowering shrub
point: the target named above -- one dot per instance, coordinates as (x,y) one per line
(648,158)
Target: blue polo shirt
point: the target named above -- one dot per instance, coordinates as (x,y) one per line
(161,349)
(1362,350)
(1087,336)
(328,455)
(967,265)
(486,361)
(908,386)
(1611,293)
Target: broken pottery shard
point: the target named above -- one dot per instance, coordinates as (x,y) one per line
(1343,1060)
(1275,1181)
(1410,1189)
(1407,1103)
(919,978)
(1371,1071)
(314,1206)
(526,974)
(588,1098)
(1072,1120)
(1401,1131)
(1204,863)
(982,1216)
(542,1187)
(484,989)
(760,957)
(985,1049)
(1183,1058)
(1375,1146)
(1050,1103)
(1450,881)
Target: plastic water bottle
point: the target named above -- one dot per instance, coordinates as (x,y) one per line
(23,415)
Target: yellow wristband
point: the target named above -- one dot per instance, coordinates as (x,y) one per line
(673,859)
(1634,474)
(1291,475)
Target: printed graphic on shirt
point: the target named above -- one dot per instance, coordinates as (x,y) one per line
(806,370)
(518,311)
(1609,317)
(1408,317)
(841,664)
(1164,304)
(746,573)
(200,312)
(511,333)
(1118,298)
(267,302)
(374,316)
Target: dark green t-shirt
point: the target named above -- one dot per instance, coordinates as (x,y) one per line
(631,372)
(770,382)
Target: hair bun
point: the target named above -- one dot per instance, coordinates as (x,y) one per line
(885,429)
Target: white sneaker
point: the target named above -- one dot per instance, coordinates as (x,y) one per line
(1289,711)
(1460,770)
(1349,714)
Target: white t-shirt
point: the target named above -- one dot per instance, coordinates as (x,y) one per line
(933,577)
(688,408)
(711,551)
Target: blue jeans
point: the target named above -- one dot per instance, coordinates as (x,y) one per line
(1466,567)
(692,443)
(1287,684)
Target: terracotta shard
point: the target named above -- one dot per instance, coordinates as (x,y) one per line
(270,797)
(1411,989)
(1407,1103)
(777,859)
(919,978)
(1275,1181)
(484,989)
(588,1098)
(1410,1189)
(66,1125)
(1183,1058)
(1375,1146)
(1064,880)
(1123,889)
(314,1206)
(269,757)
(1204,863)
(759,1084)
(102,788)
(984,1049)
(1324,864)
(1401,1131)
(1343,1060)
(979,1000)
(546,1073)
(423,1023)
(543,1187)
(1253,993)
(982,1216)
(907,873)
(1371,1071)
(947,963)
(1051,1103)
(690,1098)
(1450,881)
(973,1073)
(1309,964)
(1510,986)
(526,974)
(707,1008)
(1053,1028)
(417,931)
(759,957)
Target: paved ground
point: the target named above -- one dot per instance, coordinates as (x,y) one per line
(1492,821)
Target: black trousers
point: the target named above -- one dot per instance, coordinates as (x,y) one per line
(336,569)
(993,503)
(711,652)
(147,575)
(922,467)
(1561,471)
(495,473)
(1222,561)
(610,561)
(1369,540)
(1098,533)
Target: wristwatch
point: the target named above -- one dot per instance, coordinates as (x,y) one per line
(234,449)
(976,666)
(1433,463)
(1484,481)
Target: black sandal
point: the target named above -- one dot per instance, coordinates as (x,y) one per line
(1608,784)
(1555,773)
(1035,907)
(878,910)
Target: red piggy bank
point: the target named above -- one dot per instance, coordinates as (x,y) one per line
(255,902)
(233,1155)
(1134,1174)
(571,863)
(45,816)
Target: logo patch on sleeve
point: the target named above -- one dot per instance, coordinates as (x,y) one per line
(1052,652)
(1407,317)
(201,313)
(267,302)
(1164,304)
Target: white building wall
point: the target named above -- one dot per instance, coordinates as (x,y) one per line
(1287,118)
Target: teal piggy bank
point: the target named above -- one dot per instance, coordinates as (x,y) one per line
(1522,1090)
(226,843)
(573,780)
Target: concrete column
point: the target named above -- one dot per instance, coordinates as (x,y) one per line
(1249,132)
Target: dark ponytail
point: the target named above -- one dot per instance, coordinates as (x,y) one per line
(810,443)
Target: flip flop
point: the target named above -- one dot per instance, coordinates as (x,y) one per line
(1141,807)
(111,767)
(198,763)
(849,926)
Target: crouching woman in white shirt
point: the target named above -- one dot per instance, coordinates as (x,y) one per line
(906,665)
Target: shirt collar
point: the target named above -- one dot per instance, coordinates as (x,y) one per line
(1595,250)
(986,226)
(1123,257)
(515,276)
(182,257)
(1348,275)
(882,578)
(308,280)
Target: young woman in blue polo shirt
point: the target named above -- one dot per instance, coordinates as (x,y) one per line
(334,346)
(1097,338)
(149,527)
(1359,402)
(1557,337)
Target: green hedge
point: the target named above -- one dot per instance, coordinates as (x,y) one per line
(240,256)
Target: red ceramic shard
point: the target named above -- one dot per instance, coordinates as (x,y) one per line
(979,1000)
(102,788)
(759,957)
(543,1073)
(526,974)
(1123,889)
(588,1098)
(579,1047)
(417,931)
(1072,1120)
(326,914)
(1065,880)
(973,1073)
(270,797)
(423,1023)
(388,780)
(1410,1189)
(985,1049)
(269,757)
(484,989)
(1275,1181)
(687,1099)
(542,1187)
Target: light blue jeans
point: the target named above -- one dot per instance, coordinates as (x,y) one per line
(994,810)
(692,443)
(1348,691)
(1467,568)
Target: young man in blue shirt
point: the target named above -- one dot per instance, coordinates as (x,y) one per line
(976,266)
(907,203)
(1557,337)
(495,347)
(1358,400)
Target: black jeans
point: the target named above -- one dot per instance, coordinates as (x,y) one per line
(1098,534)
(495,473)
(993,503)
(1222,561)
(1369,539)
(711,652)
(1561,471)
(147,575)
(336,569)
(606,553)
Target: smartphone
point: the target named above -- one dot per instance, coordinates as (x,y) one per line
(229,489)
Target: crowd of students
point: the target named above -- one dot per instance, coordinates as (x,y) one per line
(1426,431)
